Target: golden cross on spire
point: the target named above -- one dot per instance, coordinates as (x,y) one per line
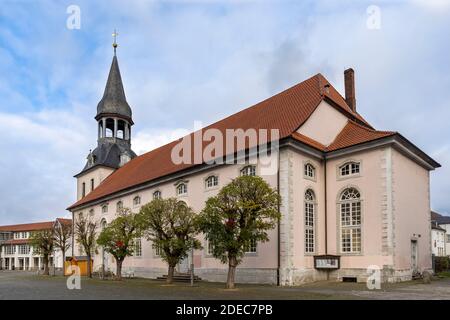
(115,34)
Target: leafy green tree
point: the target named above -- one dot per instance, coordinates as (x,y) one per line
(85,231)
(42,243)
(170,225)
(118,237)
(243,211)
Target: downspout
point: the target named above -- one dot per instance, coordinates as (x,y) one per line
(326,209)
(326,212)
(73,235)
(278,227)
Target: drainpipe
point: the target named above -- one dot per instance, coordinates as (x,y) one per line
(326,209)
(278,223)
(73,237)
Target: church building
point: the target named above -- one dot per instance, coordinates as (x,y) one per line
(353,197)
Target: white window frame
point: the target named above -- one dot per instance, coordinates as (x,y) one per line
(181,189)
(137,243)
(137,201)
(353,214)
(248,170)
(353,167)
(309,171)
(211,182)
(309,221)
(251,248)
(157,195)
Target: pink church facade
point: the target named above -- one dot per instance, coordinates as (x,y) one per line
(353,197)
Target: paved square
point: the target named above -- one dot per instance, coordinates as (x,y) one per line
(27,285)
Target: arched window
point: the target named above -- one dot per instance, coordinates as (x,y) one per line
(248,171)
(103,224)
(136,201)
(181,189)
(211,181)
(119,206)
(350,209)
(309,171)
(349,168)
(91,212)
(121,129)
(109,127)
(105,208)
(310,212)
(80,216)
(157,194)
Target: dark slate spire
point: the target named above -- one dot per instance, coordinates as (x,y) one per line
(114,101)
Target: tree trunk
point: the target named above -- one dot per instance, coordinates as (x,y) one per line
(232,263)
(63,262)
(118,269)
(46,271)
(89,271)
(170,274)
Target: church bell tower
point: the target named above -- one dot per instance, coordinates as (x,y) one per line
(114,121)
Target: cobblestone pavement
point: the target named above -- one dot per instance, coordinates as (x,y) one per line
(27,285)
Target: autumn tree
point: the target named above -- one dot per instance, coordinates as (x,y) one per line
(62,235)
(118,237)
(170,225)
(242,212)
(85,232)
(42,243)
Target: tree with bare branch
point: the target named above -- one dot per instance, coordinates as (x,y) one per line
(86,231)
(42,243)
(62,234)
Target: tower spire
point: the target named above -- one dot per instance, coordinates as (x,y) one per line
(115,45)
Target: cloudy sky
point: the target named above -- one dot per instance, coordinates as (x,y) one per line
(186,61)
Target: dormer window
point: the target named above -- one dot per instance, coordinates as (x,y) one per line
(349,168)
(157,194)
(310,171)
(211,182)
(136,201)
(124,158)
(181,189)
(248,171)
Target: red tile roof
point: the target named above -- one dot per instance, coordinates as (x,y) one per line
(354,134)
(33,226)
(286,111)
(28,226)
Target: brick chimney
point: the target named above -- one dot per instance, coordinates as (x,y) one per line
(349,81)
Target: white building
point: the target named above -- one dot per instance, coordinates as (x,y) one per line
(438,240)
(16,253)
(443,222)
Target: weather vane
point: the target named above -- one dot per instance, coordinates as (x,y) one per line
(115,34)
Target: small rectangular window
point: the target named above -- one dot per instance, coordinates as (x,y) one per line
(83,189)
(250,246)
(92,184)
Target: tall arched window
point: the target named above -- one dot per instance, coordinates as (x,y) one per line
(310,212)
(350,209)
